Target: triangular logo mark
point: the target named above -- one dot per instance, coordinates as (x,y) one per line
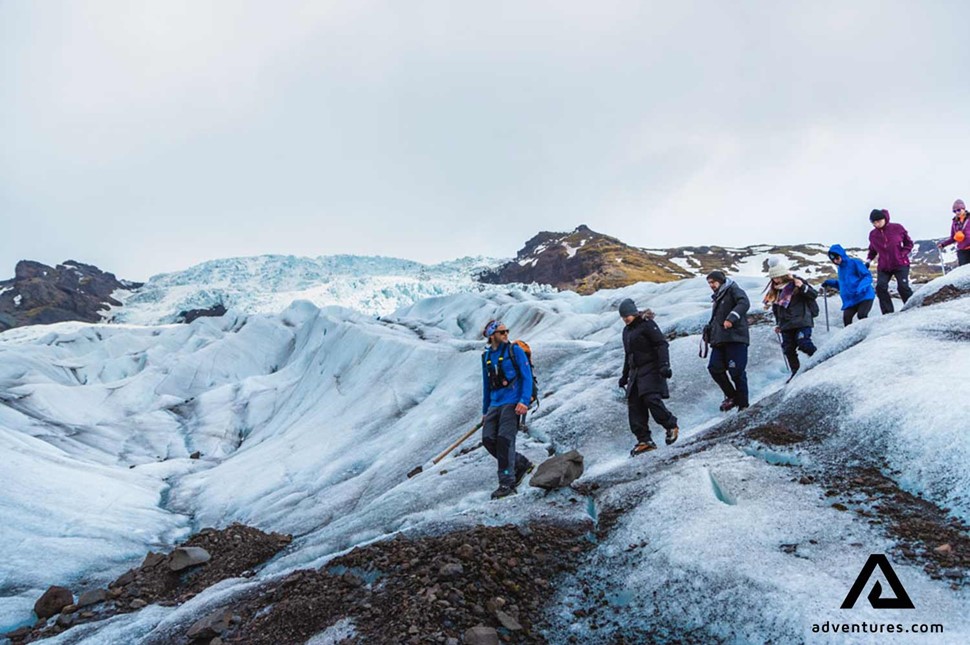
(899,601)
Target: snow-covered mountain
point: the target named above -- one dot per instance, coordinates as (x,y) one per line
(750,529)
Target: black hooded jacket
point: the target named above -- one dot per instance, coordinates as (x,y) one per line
(647,353)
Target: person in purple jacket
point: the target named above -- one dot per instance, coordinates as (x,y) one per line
(892,244)
(959,233)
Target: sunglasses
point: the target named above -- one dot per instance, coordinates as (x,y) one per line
(958,210)
(502,331)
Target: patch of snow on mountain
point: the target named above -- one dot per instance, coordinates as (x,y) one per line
(753,265)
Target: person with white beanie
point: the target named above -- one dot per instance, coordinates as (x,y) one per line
(794,304)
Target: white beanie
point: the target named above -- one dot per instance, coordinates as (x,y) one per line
(777,267)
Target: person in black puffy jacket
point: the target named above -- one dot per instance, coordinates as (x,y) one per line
(646,368)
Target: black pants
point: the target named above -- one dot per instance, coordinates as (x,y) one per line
(731,358)
(794,340)
(499,430)
(882,288)
(638,405)
(861,309)
(963,257)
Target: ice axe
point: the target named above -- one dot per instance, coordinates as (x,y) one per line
(419,469)
(942,264)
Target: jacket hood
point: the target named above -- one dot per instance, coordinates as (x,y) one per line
(837,248)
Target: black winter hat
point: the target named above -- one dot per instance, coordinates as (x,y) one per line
(877,214)
(628,308)
(717,276)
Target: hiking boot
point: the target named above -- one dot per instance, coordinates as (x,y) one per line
(672,434)
(642,447)
(727,404)
(503,491)
(520,473)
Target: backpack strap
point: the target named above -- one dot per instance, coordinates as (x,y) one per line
(512,358)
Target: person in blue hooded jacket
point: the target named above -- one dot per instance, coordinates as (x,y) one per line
(854,285)
(506,396)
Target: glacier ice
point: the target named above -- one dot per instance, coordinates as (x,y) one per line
(308,420)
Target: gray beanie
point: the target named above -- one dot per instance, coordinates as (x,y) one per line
(628,308)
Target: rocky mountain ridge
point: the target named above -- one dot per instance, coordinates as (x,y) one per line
(585,261)
(39,294)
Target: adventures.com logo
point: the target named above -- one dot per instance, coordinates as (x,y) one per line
(898,600)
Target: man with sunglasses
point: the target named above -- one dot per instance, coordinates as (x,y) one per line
(506,394)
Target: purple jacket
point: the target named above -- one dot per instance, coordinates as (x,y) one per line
(892,244)
(959,226)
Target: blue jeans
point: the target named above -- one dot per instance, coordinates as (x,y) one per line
(731,358)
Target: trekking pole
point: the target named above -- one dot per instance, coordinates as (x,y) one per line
(942,264)
(419,469)
(782,345)
(825,296)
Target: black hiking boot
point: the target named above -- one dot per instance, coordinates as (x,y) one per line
(727,404)
(642,447)
(520,473)
(672,434)
(503,491)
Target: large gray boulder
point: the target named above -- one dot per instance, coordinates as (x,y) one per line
(558,471)
(187,556)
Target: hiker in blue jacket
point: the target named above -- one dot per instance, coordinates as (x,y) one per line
(854,285)
(506,395)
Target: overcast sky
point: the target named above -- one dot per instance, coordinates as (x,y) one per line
(148,136)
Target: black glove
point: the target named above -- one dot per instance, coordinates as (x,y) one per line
(868,263)
(623,381)
(666,372)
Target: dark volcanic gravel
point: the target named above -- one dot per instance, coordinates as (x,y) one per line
(235,551)
(424,590)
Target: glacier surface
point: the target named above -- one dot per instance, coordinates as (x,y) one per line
(309,419)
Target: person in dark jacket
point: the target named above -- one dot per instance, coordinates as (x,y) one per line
(854,285)
(506,394)
(727,333)
(959,233)
(646,368)
(892,244)
(792,301)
